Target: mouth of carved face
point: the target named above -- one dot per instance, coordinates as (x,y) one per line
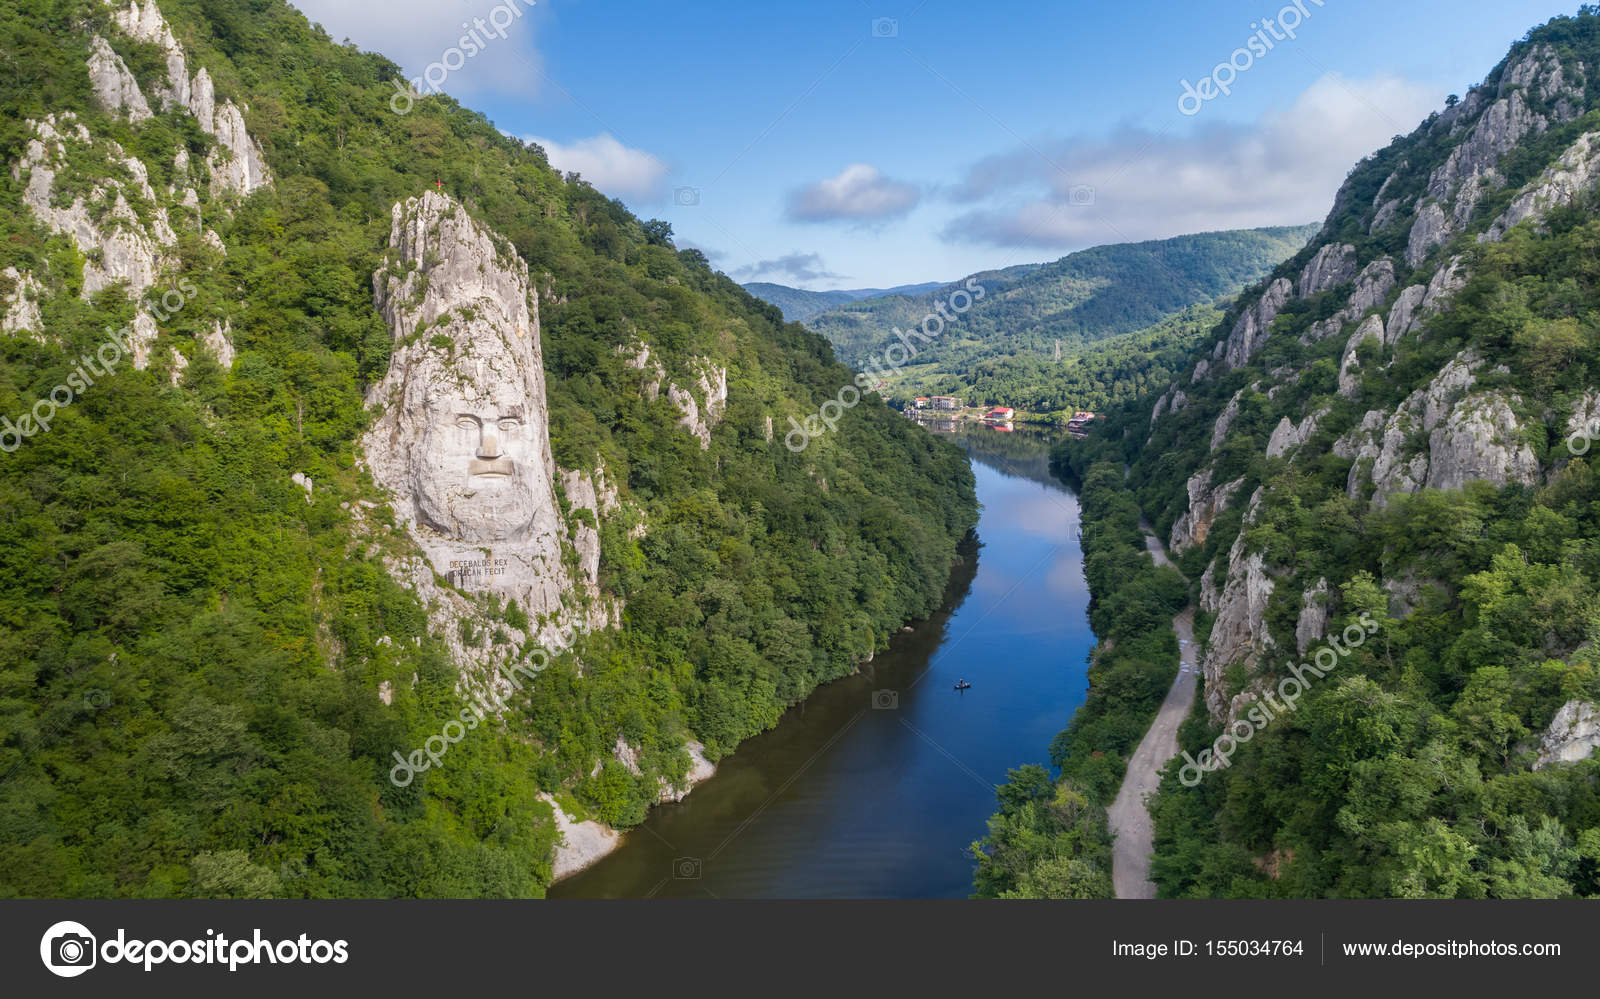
(492,468)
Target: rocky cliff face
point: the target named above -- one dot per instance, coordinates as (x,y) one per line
(1239,634)
(119,225)
(462,440)
(1470,437)
(1459,425)
(90,189)
(237,166)
(1205,503)
(1573,735)
(703,411)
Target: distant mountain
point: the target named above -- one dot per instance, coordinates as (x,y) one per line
(798,304)
(1081,298)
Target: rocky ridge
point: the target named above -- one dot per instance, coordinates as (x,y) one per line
(1452,431)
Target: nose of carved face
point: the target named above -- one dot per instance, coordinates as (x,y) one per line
(489,460)
(489,442)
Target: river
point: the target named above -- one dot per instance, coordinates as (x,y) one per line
(878,783)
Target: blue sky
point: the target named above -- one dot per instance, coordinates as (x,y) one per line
(865,143)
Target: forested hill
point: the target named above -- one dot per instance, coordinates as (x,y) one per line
(210,651)
(1379,472)
(798,304)
(1083,297)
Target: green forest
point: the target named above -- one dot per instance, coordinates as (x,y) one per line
(191,650)
(1124,315)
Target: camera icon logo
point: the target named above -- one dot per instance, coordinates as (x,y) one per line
(686,869)
(68,949)
(1081,194)
(885,700)
(686,197)
(885,27)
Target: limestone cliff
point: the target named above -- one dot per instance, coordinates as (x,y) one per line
(1362,314)
(92,190)
(461,440)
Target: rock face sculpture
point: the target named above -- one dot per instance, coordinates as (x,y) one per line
(462,441)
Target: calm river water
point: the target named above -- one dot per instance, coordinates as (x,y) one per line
(877,785)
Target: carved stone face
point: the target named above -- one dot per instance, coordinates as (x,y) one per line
(477,460)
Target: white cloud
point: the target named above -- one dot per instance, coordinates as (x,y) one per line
(1281,169)
(800,268)
(858,194)
(496,57)
(618,170)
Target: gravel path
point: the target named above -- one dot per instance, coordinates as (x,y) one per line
(1128,817)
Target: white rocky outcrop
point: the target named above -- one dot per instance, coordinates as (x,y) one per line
(1386,213)
(1349,362)
(1372,287)
(1205,503)
(1251,329)
(1471,437)
(1540,70)
(639,359)
(238,166)
(700,769)
(144,23)
(1430,229)
(701,415)
(122,244)
(1404,315)
(599,497)
(1573,735)
(1239,633)
(1230,412)
(21,303)
(1371,290)
(462,439)
(1350,446)
(1173,400)
(1210,596)
(1560,184)
(114,86)
(219,341)
(1288,435)
(142,334)
(1481,442)
(1416,303)
(1312,625)
(1497,131)
(1333,265)
(1585,419)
